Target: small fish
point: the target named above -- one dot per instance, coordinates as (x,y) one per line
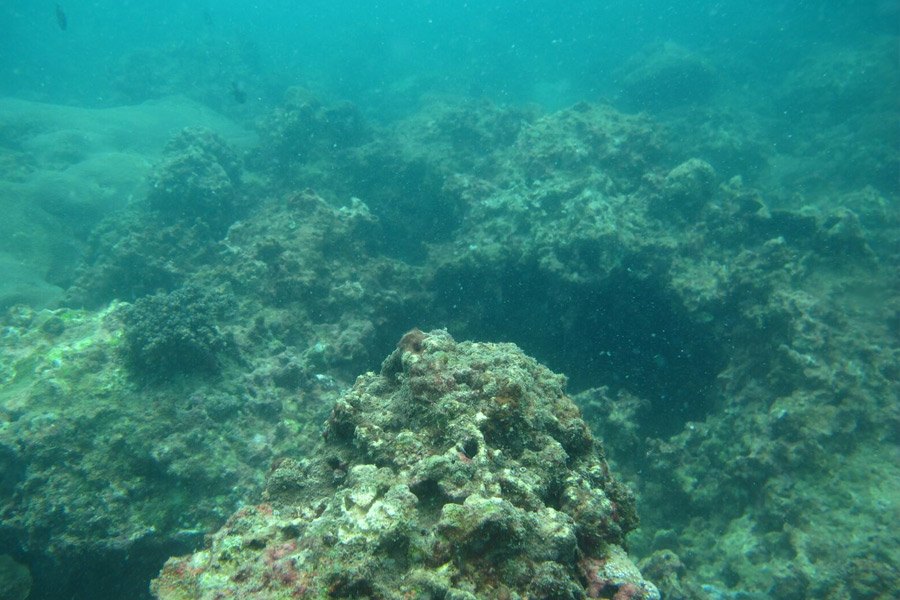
(237,90)
(61,18)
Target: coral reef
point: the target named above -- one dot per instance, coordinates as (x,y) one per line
(65,168)
(685,190)
(731,338)
(303,133)
(460,471)
(197,178)
(283,344)
(125,259)
(174,333)
(150,246)
(586,139)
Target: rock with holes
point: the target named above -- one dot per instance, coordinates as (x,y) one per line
(462,470)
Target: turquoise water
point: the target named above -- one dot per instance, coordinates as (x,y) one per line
(216,215)
(505,50)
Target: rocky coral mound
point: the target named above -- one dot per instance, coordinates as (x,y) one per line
(197,179)
(173,333)
(462,470)
(303,132)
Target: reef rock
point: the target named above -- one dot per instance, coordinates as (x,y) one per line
(167,334)
(685,190)
(462,470)
(197,179)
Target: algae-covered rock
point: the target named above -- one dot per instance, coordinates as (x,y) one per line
(173,333)
(197,178)
(686,189)
(303,130)
(462,470)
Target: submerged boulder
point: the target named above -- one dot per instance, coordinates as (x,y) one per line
(174,333)
(686,190)
(198,178)
(462,470)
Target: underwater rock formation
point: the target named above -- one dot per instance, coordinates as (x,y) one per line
(173,333)
(197,178)
(462,470)
(303,130)
(734,346)
(685,190)
(150,246)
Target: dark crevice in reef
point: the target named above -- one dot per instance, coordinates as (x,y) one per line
(410,204)
(108,571)
(626,331)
